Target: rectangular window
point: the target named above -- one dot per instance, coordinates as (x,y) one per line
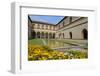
(42,26)
(70,19)
(38,26)
(63,23)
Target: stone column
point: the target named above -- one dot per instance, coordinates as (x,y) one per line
(36,35)
(40,35)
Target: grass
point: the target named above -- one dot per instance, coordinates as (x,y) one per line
(36,42)
(60,43)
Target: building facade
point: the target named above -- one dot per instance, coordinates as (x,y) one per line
(68,28)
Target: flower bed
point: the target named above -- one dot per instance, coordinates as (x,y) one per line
(37,52)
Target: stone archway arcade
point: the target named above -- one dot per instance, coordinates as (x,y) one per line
(74,29)
(47,35)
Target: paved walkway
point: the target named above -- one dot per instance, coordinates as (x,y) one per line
(43,41)
(74,42)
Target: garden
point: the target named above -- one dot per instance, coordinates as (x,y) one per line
(42,52)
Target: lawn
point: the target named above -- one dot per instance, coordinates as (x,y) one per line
(59,43)
(36,42)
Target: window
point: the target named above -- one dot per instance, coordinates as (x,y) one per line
(63,23)
(70,33)
(38,26)
(70,19)
(42,26)
(33,26)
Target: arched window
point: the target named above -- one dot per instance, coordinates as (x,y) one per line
(70,34)
(85,34)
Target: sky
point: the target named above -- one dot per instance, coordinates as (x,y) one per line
(48,19)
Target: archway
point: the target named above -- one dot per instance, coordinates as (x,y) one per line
(50,35)
(53,35)
(85,34)
(33,34)
(46,35)
(42,35)
(70,34)
(38,34)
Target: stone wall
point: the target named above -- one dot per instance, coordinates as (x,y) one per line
(75,28)
(69,27)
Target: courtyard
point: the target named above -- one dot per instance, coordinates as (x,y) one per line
(52,49)
(57,37)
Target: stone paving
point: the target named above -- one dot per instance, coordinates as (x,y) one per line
(72,44)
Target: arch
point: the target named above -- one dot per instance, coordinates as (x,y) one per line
(33,34)
(50,35)
(85,33)
(38,34)
(70,34)
(53,35)
(46,35)
(42,35)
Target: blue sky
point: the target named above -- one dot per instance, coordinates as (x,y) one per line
(47,19)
